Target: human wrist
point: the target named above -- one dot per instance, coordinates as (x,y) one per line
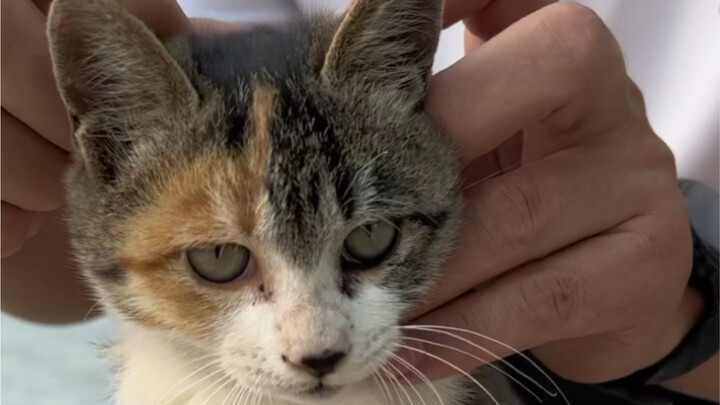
(701,382)
(685,368)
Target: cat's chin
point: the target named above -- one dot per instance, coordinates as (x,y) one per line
(320,391)
(317,393)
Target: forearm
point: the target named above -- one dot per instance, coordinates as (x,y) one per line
(40,283)
(702,382)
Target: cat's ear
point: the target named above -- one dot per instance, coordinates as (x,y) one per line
(387,45)
(114,76)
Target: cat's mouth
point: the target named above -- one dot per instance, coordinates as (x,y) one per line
(320,390)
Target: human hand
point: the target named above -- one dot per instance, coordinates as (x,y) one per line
(583,252)
(39,279)
(36,133)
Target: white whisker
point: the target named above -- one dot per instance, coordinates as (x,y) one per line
(491,365)
(493,174)
(361,171)
(438,328)
(407,380)
(396,385)
(225,381)
(230,394)
(381,388)
(243,396)
(164,399)
(90,310)
(420,375)
(456,368)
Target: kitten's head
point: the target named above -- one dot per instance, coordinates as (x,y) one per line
(279,219)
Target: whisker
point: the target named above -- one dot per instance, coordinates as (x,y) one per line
(242,393)
(456,368)
(243,396)
(359,171)
(491,365)
(493,174)
(236,396)
(420,375)
(438,328)
(407,380)
(177,394)
(90,310)
(164,399)
(378,380)
(210,386)
(227,380)
(396,386)
(257,398)
(230,394)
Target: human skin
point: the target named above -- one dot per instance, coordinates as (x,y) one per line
(580,248)
(582,252)
(39,279)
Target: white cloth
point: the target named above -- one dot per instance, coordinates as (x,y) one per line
(671,47)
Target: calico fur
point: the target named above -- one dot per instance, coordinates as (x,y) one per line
(283,141)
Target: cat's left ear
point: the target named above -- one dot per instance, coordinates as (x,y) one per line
(117,80)
(386,46)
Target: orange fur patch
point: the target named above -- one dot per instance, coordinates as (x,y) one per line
(214,199)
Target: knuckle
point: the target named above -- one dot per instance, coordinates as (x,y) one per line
(584,37)
(551,299)
(663,156)
(515,205)
(655,161)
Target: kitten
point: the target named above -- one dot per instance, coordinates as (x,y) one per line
(257,210)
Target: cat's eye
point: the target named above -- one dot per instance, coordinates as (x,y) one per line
(369,244)
(221,263)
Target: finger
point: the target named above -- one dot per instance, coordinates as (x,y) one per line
(500,14)
(571,294)
(471,42)
(17,226)
(559,65)
(495,14)
(456,10)
(533,211)
(164,17)
(485,19)
(639,347)
(28,87)
(211,26)
(32,167)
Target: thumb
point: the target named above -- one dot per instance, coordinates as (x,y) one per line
(164,17)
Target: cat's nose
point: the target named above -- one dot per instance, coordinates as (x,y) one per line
(317,365)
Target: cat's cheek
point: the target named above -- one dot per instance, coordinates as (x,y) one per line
(251,346)
(374,312)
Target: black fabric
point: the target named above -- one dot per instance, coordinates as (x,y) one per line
(584,394)
(701,343)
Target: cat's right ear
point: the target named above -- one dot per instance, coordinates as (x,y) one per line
(115,77)
(386,49)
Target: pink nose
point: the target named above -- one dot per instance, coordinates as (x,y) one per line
(316,365)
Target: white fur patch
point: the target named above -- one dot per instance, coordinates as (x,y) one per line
(158,368)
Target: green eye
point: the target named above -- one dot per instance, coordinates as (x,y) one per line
(220,264)
(368,245)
